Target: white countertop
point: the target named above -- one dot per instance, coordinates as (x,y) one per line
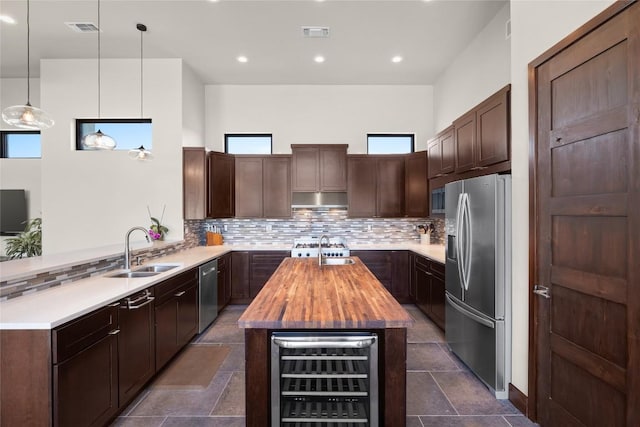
(53,307)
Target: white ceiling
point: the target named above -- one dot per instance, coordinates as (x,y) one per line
(209,36)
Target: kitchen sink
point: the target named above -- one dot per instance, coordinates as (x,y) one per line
(156,268)
(133,274)
(337,261)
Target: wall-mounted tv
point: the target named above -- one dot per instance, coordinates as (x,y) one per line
(13,212)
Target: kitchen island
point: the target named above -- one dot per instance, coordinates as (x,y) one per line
(302,296)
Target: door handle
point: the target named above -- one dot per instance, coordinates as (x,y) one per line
(543,291)
(179,294)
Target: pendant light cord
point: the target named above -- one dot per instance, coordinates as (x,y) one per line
(99,31)
(28,58)
(141,75)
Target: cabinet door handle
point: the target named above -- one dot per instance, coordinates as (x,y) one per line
(115,304)
(179,294)
(114,332)
(148,300)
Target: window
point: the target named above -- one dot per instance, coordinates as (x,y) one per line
(389,143)
(247,143)
(20,144)
(128,133)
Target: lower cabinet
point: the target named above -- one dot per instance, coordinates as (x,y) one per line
(391,268)
(85,369)
(176,312)
(428,278)
(136,345)
(224,281)
(250,272)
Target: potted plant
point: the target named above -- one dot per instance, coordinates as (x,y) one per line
(28,243)
(157,231)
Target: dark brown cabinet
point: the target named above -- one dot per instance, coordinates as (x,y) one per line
(391,268)
(136,345)
(85,369)
(416,185)
(224,281)
(251,270)
(176,314)
(220,185)
(263,187)
(194,180)
(428,280)
(320,167)
(376,186)
(482,134)
(441,153)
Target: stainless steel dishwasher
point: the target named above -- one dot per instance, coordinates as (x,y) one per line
(324,379)
(208,294)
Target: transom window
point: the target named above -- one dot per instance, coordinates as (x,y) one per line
(248,143)
(20,144)
(128,133)
(387,143)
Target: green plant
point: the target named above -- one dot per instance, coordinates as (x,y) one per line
(28,243)
(157,230)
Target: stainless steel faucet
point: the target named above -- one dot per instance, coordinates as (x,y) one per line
(324,236)
(127,257)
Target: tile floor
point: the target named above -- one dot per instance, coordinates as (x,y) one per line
(441,392)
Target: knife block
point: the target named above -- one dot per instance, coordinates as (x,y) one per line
(214,239)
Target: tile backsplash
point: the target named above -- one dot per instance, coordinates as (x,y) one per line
(311,223)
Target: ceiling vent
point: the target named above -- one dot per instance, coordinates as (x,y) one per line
(315,32)
(82,27)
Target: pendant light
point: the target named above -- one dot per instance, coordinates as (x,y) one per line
(141,153)
(27,116)
(98,140)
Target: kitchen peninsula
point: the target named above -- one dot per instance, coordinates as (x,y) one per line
(302,296)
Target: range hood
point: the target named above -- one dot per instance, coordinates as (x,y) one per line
(304,200)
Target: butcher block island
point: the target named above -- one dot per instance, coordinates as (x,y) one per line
(325,344)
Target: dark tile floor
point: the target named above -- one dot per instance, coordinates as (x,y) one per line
(441,392)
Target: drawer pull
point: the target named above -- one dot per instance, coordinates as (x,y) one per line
(147,300)
(114,332)
(179,294)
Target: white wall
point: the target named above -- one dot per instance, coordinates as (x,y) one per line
(192,109)
(536,26)
(299,114)
(479,71)
(91,198)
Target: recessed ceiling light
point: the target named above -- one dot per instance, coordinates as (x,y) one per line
(242,59)
(319,59)
(7,19)
(396,59)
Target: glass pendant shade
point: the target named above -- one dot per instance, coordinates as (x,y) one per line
(141,153)
(98,141)
(27,117)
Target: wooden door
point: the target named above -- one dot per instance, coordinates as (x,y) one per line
(248,187)
(304,168)
(492,129)
(333,168)
(221,185)
(465,140)
(240,277)
(194,182)
(448,151)
(187,315)
(166,314)
(361,186)
(434,154)
(587,170)
(276,197)
(416,185)
(390,186)
(262,265)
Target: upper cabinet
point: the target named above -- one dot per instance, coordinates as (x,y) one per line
(482,134)
(415,184)
(376,186)
(194,178)
(321,167)
(441,153)
(263,188)
(221,185)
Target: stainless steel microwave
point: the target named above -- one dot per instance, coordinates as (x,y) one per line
(437,200)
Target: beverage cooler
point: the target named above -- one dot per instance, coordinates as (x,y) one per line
(324,379)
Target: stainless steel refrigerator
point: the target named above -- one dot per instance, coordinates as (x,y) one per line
(478,277)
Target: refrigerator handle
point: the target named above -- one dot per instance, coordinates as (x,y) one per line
(468,314)
(458,241)
(466,209)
